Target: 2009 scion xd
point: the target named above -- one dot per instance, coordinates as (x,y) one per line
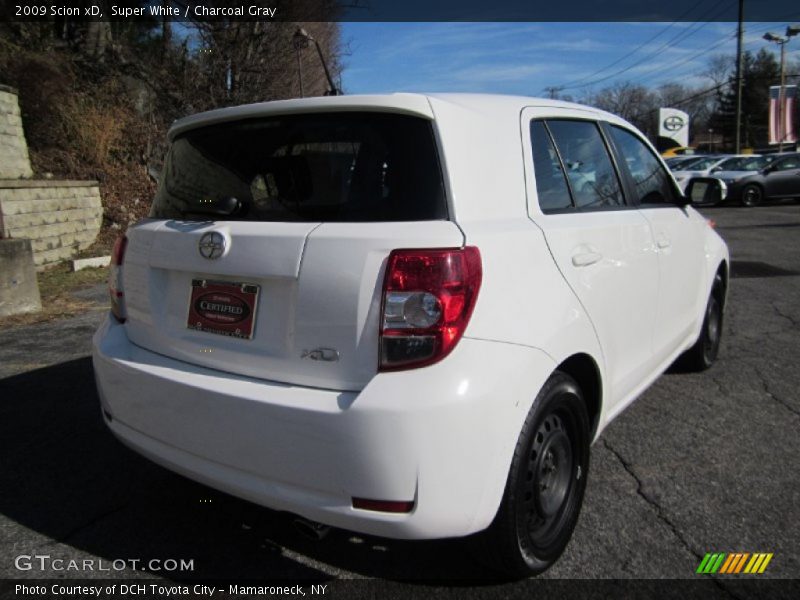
(405,315)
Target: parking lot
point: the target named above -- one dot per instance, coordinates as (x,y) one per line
(701,463)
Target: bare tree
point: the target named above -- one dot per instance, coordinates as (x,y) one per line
(633,102)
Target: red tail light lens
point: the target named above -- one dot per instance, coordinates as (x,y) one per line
(115,279)
(428,297)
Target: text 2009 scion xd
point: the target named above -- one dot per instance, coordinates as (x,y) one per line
(405,315)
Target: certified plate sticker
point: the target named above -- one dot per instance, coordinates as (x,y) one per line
(223,308)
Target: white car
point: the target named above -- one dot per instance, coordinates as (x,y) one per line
(706,167)
(396,315)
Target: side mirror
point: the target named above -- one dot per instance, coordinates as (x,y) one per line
(768,169)
(705,190)
(716,169)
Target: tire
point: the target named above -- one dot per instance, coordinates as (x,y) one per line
(705,350)
(752,195)
(545,485)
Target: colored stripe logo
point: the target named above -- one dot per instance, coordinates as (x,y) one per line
(732,563)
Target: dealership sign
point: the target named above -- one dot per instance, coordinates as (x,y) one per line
(674,124)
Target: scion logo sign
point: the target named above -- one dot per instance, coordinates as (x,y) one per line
(212,245)
(673,123)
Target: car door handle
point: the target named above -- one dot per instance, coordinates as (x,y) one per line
(663,243)
(584,259)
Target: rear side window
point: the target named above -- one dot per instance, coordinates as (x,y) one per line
(653,184)
(551,184)
(589,168)
(788,164)
(326,167)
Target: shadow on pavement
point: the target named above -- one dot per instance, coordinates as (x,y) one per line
(64,476)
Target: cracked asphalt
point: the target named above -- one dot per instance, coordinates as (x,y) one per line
(700,463)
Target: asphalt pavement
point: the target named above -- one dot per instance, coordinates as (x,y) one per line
(700,463)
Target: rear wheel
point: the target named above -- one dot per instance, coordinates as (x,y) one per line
(752,195)
(705,350)
(545,486)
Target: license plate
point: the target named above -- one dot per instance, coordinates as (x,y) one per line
(223,308)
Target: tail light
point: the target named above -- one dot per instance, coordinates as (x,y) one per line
(115,279)
(428,297)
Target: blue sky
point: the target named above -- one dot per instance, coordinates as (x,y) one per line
(524,58)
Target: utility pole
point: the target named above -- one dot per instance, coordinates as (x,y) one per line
(739,44)
(782,99)
(553,91)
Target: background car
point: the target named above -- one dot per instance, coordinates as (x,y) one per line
(678,162)
(777,179)
(701,168)
(678,151)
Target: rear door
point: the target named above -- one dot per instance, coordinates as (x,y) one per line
(602,246)
(265,250)
(784,178)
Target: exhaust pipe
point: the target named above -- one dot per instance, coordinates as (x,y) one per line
(311,529)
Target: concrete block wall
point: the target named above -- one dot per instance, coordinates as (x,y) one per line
(19,290)
(14,160)
(59,217)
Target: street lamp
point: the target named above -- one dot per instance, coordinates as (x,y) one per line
(300,40)
(791,31)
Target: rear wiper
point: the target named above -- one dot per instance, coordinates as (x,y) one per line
(222,207)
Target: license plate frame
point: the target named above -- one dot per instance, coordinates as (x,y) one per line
(226,308)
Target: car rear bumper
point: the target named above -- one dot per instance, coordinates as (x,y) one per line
(441,436)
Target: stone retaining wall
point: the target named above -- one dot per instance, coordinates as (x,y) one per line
(59,217)
(14,161)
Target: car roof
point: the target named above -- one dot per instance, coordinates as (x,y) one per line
(487,105)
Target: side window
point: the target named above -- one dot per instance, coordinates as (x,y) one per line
(591,174)
(787,165)
(653,185)
(551,185)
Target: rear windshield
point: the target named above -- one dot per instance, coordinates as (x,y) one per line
(327,167)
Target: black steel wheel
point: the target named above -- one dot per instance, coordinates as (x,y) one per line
(545,485)
(752,195)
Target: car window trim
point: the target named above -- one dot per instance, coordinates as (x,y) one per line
(630,182)
(552,140)
(587,209)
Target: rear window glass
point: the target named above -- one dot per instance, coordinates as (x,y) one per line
(331,167)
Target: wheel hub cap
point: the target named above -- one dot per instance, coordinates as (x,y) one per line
(553,471)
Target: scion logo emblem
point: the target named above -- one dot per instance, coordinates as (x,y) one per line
(673,123)
(212,245)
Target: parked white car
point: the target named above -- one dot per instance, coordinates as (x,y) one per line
(705,167)
(399,314)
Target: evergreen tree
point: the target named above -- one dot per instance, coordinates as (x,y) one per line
(759,72)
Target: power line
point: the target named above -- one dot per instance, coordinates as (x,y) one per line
(700,94)
(574,82)
(681,36)
(722,41)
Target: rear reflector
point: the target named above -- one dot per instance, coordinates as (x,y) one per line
(388,506)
